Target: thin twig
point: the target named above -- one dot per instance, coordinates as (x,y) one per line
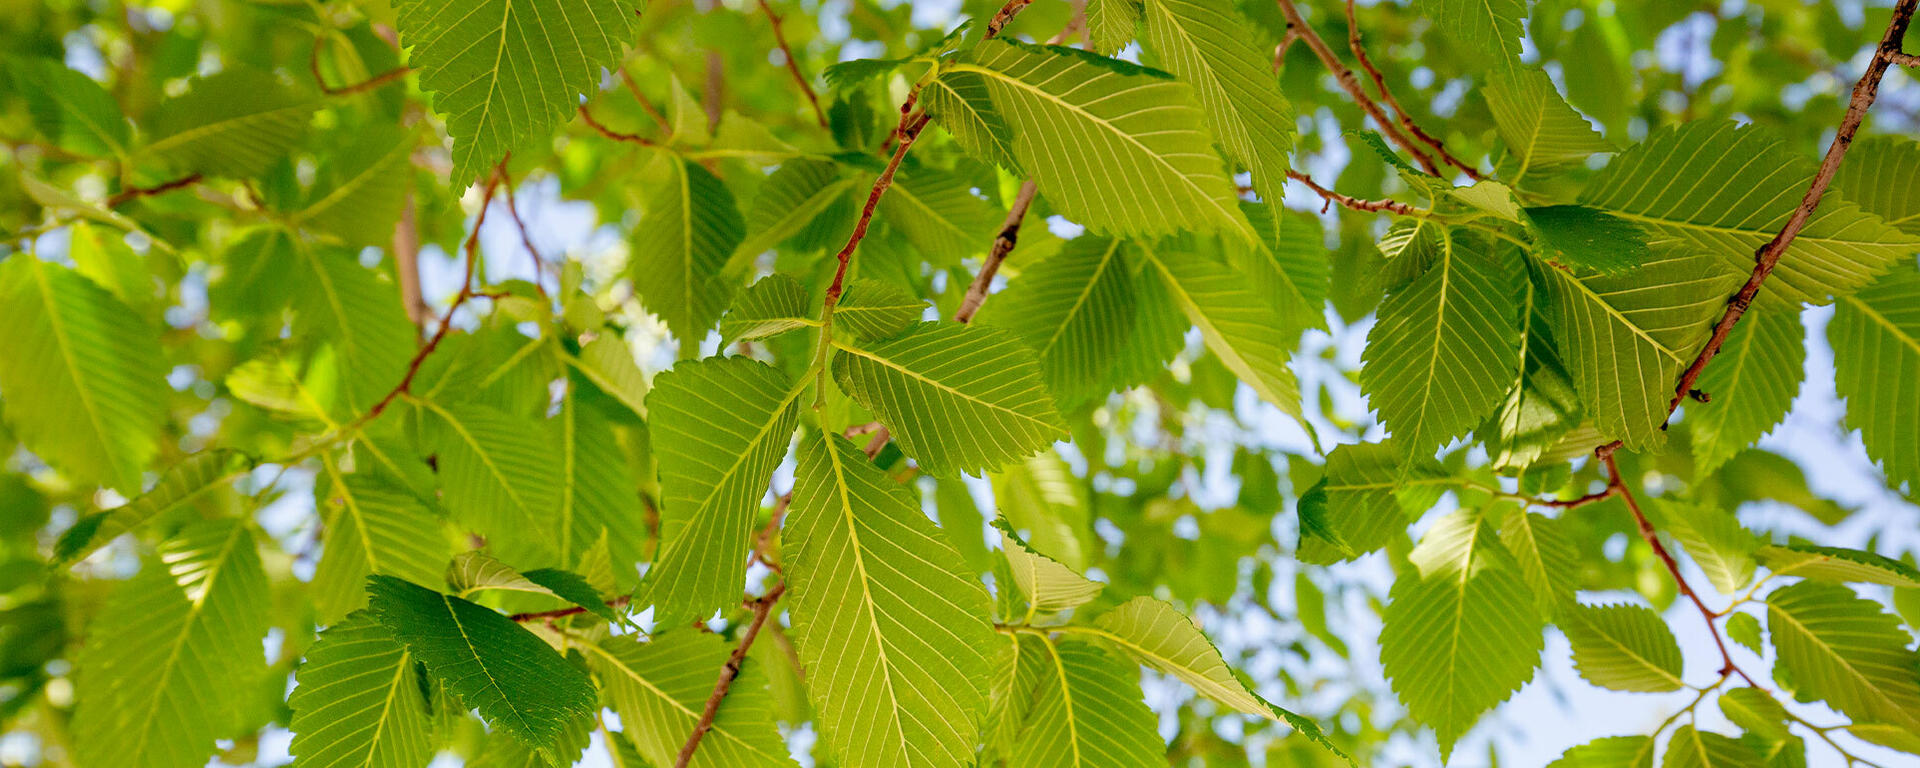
(1351,85)
(587,117)
(313,64)
(526,239)
(561,613)
(666,127)
(1003,244)
(1652,537)
(762,608)
(1768,256)
(1345,201)
(1406,118)
(158,189)
(1904,59)
(793,65)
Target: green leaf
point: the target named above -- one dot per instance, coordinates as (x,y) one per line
(497,473)
(1087,712)
(371,526)
(1041,497)
(1752,383)
(183,483)
(1542,405)
(958,398)
(83,380)
(360,193)
(1161,637)
(597,492)
(774,305)
(360,702)
(1692,748)
(790,209)
(1844,649)
(939,214)
(660,688)
(1838,564)
(1579,237)
(1290,268)
(1451,643)
(1075,311)
(1049,586)
(1714,538)
(1116,147)
(573,588)
(507,74)
(1544,553)
(892,630)
(680,249)
(962,102)
(1880,186)
(1889,736)
(1875,331)
(1205,43)
(1744,629)
(1628,336)
(1111,24)
(355,311)
(607,362)
(1755,711)
(1363,486)
(1436,364)
(1239,327)
(1539,129)
(1724,190)
(168,650)
(233,123)
(1623,647)
(519,684)
(719,428)
(69,108)
(1489,28)
(1609,752)
(877,309)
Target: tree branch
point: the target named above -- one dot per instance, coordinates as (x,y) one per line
(1406,119)
(313,65)
(1652,538)
(1002,245)
(1298,26)
(526,239)
(130,193)
(1331,197)
(793,65)
(406,260)
(561,613)
(762,608)
(587,117)
(1765,259)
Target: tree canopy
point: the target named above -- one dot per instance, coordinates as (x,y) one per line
(870,384)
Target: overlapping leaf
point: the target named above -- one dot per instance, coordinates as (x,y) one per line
(360,702)
(1048,586)
(1752,383)
(1239,327)
(497,473)
(70,108)
(1114,146)
(1724,190)
(1624,647)
(505,73)
(1539,129)
(958,398)
(168,650)
(719,428)
(660,689)
(1075,311)
(232,123)
(1844,649)
(1491,28)
(1435,364)
(1838,564)
(372,526)
(1451,643)
(1204,42)
(1361,490)
(1087,712)
(1876,341)
(82,376)
(892,631)
(681,247)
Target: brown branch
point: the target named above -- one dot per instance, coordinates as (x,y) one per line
(1002,245)
(1609,492)
(1649,535)
(472,249)
(1406,119)
(1345,201)
(587,117)
(526,239)
(313,65)
(561,613)
(130,193)
(1768,256)
(1351,84)
(762,608)
(793,65)
(1904,59)
(645,105)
